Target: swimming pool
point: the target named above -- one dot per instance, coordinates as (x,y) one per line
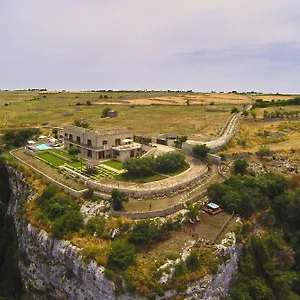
(42,147)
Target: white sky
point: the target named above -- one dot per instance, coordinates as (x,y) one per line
(159,44)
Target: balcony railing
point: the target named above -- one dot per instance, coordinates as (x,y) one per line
(73,142)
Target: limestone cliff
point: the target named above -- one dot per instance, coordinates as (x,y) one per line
(57,268)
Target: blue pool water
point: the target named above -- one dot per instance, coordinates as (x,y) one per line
(42,147)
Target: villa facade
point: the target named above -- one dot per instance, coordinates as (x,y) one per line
(101,144)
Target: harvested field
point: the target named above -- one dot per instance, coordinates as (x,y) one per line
(273,97)
(197,99)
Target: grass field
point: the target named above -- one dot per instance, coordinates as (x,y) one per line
(57,161)
(114,164)
(59,108)
(52,159)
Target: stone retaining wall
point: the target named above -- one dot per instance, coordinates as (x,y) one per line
(159,213)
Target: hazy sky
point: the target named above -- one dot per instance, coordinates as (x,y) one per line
(151,44)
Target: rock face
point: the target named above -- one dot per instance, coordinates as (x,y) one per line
(57,268)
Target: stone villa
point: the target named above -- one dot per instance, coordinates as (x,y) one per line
(101,144)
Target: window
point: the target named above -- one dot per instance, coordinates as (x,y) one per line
(116,153)
(71,137)
(89,153)
(132,153)
(118,142)
(78,140)
(89,143)
(66,135)
(104,143)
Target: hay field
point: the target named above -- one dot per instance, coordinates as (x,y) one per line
(274,97)
(195,99)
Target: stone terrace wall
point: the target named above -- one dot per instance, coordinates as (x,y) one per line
(159,213)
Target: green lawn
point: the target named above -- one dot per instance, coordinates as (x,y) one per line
(57,161)
(114,164)
(150,178)
(62,153)
(52,159)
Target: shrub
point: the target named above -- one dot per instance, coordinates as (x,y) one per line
(234,110)
(145,231)
(88,194)
(74,150)
(117,199)
(81,124)
(193,261)
(264,151)
(200,151)
(95,226)
(109,274)
(180,269)
(105,111)
(72,221)
(121,255)
(240,166)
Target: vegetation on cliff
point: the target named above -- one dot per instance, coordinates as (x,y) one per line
(10,279)
(269,267)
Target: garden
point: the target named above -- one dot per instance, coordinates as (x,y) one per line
(58,158)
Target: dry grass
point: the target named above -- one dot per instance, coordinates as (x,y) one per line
(36,109)
(92,248)
(253,133)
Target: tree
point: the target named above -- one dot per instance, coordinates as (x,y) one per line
(201,151)
(117,199)
(88,103)
(187,102)
(121,255)
(19,138)
(180,140)
(234,110)
(240,166)
(105,111)
(74,150)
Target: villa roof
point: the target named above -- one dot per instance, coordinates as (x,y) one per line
(102,132)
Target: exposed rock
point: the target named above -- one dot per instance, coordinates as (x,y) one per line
(57,268)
